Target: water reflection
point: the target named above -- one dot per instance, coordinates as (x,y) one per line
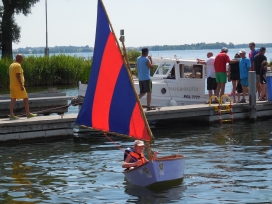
(224,164)
(162,193)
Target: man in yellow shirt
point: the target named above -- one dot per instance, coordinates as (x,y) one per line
(17,88)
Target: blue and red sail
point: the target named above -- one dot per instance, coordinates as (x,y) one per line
(110,103)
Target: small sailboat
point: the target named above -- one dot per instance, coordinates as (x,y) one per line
(111,105)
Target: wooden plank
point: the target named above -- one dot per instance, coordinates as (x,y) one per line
(36,134)
(47,99)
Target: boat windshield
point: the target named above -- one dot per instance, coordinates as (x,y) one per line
(164,69)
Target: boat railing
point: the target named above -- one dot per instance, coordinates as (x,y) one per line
(171,157)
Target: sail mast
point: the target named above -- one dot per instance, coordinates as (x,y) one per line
(127,66)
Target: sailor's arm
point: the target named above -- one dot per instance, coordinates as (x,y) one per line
(155,155)
(126,163)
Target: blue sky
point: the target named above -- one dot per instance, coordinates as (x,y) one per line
(149,22)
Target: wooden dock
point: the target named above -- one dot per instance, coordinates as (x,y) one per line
(40,127)
(55,126)
(204,112)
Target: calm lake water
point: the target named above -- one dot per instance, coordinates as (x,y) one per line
(224,164)
(202,54)
(227,164)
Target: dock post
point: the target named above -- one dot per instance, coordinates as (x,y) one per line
(252,95)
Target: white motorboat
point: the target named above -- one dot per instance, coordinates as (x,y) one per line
(175,82)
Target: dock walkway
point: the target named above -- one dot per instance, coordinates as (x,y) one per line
(55,126)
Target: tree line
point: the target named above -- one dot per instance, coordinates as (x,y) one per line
(207,46)
(56,49)
(76,49)
(194,46)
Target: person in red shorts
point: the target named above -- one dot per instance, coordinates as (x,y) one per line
(220,63)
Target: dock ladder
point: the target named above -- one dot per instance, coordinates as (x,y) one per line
(223,108)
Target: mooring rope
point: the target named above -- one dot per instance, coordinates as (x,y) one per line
(78,100)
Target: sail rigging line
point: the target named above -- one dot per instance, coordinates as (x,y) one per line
(131,81)
(119,147)
(138,100)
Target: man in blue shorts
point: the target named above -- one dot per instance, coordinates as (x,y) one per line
(245,66)
(144,64)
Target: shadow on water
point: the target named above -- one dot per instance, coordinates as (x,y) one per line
(158,193)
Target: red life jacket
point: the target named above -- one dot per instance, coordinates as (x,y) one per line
(135,156)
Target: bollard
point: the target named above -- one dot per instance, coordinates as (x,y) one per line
(252,95)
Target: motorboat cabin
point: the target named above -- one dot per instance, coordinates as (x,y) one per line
(176,82)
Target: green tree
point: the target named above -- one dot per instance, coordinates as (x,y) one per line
(133,55)
(10,29)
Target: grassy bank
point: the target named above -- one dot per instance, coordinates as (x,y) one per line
(48,71)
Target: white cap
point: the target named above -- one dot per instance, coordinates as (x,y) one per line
(139,143)
(242,51)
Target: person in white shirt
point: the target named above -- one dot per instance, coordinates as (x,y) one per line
(211,79)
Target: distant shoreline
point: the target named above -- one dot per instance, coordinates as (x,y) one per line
(82,49)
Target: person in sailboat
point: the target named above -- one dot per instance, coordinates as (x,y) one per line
(144,64)
(136,157)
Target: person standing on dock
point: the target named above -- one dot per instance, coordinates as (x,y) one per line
(220,64)
(263,96)
(244,66)
(144,64)
(253,52)
(234,77)
(17,88)
(211,81)
(257,64)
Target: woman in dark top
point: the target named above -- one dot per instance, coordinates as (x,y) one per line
(263,80)
(234,76)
